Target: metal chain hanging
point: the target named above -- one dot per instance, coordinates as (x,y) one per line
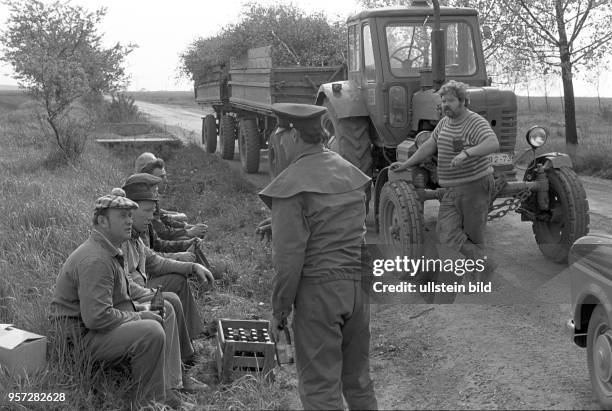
(510,204)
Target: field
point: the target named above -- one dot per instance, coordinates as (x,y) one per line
(173,98)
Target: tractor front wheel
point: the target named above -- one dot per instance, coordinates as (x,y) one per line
(401,218)
(567,218)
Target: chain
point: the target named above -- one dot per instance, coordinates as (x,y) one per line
(510,204)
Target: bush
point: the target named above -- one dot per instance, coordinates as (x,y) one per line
(122,109)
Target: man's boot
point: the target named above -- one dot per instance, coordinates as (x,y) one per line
(474,252)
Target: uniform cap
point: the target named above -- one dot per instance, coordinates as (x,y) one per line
(116,199)
(293,114)
(143,160)
(141,186)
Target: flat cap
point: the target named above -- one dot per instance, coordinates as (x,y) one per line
(143,160)
(141,186)
(116,199)
(290,114)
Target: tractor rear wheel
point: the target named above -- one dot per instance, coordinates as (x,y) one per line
(227,135)
(209,133)
(567,218)
(401,218)
(249,145)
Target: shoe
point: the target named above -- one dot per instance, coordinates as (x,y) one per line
(191,385)
(176,402)
(485,275)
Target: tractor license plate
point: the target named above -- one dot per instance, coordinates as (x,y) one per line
(501,159)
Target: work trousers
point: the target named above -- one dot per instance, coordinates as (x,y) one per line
(152,350)
(177,283)
(184,339)
(463,213)
(331,325)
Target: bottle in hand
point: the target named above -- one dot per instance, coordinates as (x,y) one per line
(157,303)
(285,353)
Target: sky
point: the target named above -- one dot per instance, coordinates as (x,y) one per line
(162,29)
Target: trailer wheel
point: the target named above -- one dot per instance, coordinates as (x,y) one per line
(249,145)
(227,135)
(209,133)
(568,216)
(401,218)
(599,356)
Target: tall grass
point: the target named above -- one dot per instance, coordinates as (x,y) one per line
(45,214)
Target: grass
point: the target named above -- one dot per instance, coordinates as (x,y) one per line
(45,214)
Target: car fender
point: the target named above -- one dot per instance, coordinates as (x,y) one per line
(345,97)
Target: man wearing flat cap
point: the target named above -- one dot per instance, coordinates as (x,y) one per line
(167,225)
(149,269)
(317,203)
(92,303)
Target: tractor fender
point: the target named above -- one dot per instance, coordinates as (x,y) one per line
(346,100)
(552,160)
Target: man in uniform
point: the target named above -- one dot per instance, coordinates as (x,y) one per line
(463,140)
(147,268)
(167,225)
(92,302)
(318,226)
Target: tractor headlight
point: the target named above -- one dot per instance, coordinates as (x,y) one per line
(421,137)
(536,136)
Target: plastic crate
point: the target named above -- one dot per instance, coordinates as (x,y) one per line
(237,358)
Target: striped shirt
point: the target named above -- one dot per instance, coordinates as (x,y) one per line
(454,138)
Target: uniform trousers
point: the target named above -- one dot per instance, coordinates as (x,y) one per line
(331,325)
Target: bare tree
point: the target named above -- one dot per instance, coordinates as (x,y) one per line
(565,34)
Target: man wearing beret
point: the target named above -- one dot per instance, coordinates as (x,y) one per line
(92,302)
(167,225)
(317,203)
(149,269)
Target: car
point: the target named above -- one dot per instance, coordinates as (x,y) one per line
(590,261)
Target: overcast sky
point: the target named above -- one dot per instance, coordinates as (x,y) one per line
(162,29)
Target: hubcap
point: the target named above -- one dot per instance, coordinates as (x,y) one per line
(602,354)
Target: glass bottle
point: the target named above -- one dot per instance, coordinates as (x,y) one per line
(285,353)
(157,303)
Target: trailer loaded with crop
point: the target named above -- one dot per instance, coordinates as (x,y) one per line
(241,94)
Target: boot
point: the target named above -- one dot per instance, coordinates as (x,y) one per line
(474,252)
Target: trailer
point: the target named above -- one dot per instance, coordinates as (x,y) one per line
(241,95)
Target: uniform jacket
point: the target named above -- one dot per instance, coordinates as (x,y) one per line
(318,222)
(93,286)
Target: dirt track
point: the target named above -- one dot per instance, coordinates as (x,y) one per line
(505,350)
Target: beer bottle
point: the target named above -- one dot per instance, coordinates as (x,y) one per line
(157,303)
(284,348)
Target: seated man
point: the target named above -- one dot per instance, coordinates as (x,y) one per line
(147,268)
(92,298)
(168,225)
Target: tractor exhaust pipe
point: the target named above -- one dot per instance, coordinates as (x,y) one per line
(438,48)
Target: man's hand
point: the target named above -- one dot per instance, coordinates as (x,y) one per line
(398,166)
(276,327)
(197,230)
(150,315)
(203,274)
(264,230)
(459,159)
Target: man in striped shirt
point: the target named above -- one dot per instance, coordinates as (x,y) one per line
(463,140)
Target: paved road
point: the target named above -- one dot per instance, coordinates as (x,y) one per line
(506,349)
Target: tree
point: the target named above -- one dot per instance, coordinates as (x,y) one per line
(565,34)
(297,38)
(56,53)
